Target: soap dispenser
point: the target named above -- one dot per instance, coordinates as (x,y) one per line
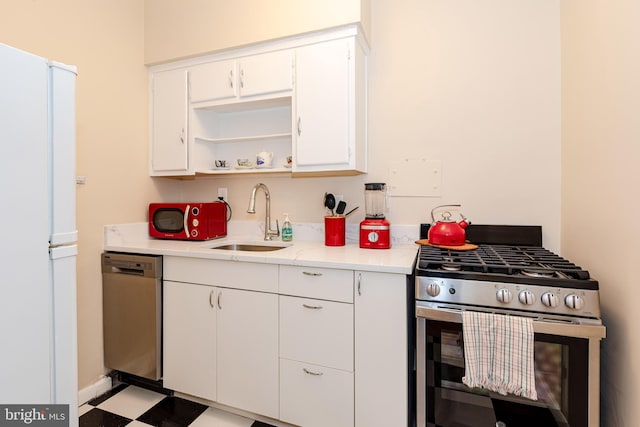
(287,231)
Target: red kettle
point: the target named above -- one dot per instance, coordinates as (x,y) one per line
(446,231)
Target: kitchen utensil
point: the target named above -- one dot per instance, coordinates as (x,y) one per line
(330,202)
(446,231)
(341,207)
(352,211)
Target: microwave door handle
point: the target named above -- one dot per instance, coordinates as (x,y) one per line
(186,220)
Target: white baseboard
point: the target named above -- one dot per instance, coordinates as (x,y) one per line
(96,389)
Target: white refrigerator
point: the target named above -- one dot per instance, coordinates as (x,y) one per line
(38,353)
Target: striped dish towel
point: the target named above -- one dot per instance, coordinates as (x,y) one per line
(499,353)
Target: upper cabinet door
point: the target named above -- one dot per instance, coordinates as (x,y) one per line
(228,81)
(169,152)
(267,73)
(213,81)
(324,88)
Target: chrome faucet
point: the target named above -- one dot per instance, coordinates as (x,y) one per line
(268,232)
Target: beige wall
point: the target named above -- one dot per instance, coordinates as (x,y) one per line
(600,177)
(178,29)
(475,85)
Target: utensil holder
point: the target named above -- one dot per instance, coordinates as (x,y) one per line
(334,230)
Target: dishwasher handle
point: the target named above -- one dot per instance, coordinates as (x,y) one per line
(131,264)
(124,270)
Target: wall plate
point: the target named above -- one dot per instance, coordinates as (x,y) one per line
(415,178)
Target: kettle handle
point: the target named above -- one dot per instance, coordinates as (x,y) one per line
(433,219)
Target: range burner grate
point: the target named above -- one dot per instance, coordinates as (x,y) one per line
(532,262)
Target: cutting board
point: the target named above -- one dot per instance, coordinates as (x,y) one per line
(466,247)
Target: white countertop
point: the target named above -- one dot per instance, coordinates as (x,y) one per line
(306,249)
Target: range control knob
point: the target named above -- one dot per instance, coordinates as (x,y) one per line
(549,299)
(574,302)
(526,297)
(504,295)
(433,289)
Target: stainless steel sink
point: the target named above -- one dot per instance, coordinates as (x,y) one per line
(249,247)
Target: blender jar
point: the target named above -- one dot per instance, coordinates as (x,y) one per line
(375,200)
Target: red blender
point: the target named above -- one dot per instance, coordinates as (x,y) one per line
(374,230)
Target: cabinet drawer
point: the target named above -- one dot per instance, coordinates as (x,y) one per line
(313,396)
(229,274)
(320,283)
(317,331)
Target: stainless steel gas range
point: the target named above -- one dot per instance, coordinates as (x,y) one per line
(509,273)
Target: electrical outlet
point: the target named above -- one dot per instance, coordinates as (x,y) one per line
(222,192)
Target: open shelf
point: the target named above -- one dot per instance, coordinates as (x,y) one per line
(245,138)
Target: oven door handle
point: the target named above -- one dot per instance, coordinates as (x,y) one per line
(539,326)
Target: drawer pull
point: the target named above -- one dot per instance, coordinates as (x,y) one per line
(313,307)
(308,273)
(306,371)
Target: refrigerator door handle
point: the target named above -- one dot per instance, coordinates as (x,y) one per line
(57,252)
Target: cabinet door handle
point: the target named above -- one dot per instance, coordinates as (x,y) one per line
(359,282)
(241,78)
(299,127)
(313,307)
(307,371)
(182,135)
(309,273)
(211,298)
(219,296)
(231,78)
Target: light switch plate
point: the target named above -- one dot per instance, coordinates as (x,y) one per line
(415,178)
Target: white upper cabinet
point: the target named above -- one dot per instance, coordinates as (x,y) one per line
(249,76)
(303,97)
(169,148)
(267,73)
(214,81)
(324,122)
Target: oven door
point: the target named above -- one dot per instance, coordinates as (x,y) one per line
(566,370)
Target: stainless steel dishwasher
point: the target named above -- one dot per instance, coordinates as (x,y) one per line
(132,313)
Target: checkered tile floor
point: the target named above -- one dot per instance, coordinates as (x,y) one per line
(129,405)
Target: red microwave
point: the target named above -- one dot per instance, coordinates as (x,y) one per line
(188,221)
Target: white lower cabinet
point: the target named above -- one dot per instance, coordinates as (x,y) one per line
(220,343)
(381,376)
(189,339)
(317,347)
(315,396)
(248,351)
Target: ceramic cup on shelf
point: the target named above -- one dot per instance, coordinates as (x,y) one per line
(264,159)
(244,163)
(221,163)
